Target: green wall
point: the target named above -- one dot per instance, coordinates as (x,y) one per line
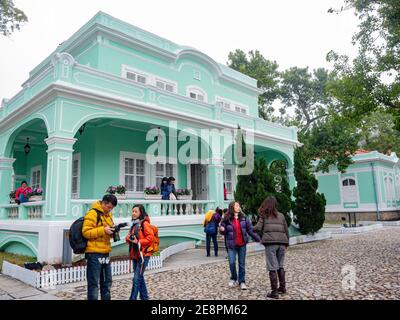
(100,157)
(366,187)
(329,186)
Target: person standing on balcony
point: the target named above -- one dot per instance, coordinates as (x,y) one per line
(164,189)
(275,237)
(171,188)
(140,239)
(211,222)
(21,195)
(98,229)
(236,227)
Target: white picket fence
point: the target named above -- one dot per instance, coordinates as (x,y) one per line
(52,278)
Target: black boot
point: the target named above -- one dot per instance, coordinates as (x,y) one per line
(273,277)
(282,282)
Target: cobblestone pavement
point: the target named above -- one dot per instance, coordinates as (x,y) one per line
(314,271)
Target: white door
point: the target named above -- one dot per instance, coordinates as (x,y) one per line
(198,174)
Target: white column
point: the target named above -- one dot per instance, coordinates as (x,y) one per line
(59,177)
(6,169)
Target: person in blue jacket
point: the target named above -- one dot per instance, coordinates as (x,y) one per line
(164,188)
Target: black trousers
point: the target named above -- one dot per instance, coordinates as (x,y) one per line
(208,243)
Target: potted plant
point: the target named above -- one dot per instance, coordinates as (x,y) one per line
(12,196)
(118,191)
(184,194)
(36,195)
(152,193)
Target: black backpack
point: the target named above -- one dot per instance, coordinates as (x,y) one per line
(77,241)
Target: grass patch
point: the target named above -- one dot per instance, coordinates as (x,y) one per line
(15,259)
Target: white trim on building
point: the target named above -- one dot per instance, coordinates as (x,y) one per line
(76,176)
(36,177)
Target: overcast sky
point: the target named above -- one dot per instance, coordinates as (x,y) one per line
(292,32)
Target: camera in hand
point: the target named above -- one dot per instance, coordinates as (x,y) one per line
(117,229)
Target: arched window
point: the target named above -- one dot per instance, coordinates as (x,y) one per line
(349,190)
(197,93)
(389,188)
(348,182)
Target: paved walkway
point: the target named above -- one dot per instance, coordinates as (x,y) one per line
(11,289)
(365,266)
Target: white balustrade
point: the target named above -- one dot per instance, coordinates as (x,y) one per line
(153,207)
(12,213)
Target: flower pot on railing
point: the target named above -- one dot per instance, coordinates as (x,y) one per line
(152,196)
(152,193)
(12,196)
(122,196)
(184,194)
(118,191)
(184,197)
(35,198)
(36,195)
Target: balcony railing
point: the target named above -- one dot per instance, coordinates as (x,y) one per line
(28,210)
(152,207)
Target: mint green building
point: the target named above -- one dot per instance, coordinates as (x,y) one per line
(370,187)
(93,111)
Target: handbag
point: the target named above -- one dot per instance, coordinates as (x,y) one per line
(172,196)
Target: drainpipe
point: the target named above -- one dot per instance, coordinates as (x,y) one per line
(378,214)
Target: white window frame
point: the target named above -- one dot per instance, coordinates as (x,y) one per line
(196,90)
(232,168)
(389,188)
(76,195)
(343,189)
(241,107)
(232,105)
(153,172)
(126,69)
(197,75)
(36,169)
(135,156)
(166,81)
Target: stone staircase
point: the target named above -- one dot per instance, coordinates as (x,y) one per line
(220,240)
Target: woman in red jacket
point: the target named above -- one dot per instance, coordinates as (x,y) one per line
(21,195)
(139,238)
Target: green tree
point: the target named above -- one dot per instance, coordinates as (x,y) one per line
(331,142)
(11,18)
(372,80)
(325,134)
(305,91)
(309,206)
(252,189)
(282,190)
(378,133)
(265,71)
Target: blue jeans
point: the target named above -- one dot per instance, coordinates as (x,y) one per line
(98,271)
(241,253)
(138,283)
(22,198)
(208,243)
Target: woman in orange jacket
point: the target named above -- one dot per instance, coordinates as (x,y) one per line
(140,239)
